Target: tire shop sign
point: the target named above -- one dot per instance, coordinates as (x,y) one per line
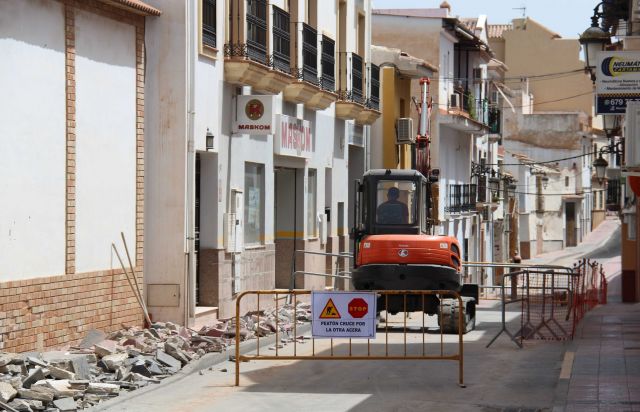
(343,314)
(617,81)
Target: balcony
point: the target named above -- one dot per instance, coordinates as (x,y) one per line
(467,113)
(371,111)
(462,198)
(248,64)
(308,89)
(350,96)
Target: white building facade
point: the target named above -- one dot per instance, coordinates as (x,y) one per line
(71,169)
(256,127)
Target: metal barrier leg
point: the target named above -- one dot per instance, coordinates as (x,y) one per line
(504,320)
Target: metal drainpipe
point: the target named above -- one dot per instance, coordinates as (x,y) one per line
(190,172)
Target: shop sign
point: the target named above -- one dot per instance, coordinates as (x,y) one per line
(617,81)
(293,137)
(254,115)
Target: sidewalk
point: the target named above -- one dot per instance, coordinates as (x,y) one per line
(603,237)
(606,362)
(601,368)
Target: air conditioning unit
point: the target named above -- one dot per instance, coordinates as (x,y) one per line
(456,101)
(404,131)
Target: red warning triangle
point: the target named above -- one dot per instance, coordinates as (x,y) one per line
(330,311)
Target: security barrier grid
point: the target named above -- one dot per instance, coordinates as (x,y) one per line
(390,344)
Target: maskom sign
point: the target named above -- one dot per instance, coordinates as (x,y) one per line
(293,137)
(254,115)
(617,81)
(343,314)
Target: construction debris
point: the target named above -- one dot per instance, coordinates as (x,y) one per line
(103,366)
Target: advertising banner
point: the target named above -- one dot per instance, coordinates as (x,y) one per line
(293,137)
(617,81)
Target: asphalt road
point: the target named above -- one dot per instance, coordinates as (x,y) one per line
(502,377)
(498,378)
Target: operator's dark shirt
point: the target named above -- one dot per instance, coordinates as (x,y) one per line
(392,212)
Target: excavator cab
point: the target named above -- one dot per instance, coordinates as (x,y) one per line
(389,201)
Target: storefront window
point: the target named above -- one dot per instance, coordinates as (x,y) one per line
(253,204)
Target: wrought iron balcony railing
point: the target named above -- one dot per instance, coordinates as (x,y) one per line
(462,198)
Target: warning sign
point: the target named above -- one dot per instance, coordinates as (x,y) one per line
(330,311)
(358,308)
(343,314)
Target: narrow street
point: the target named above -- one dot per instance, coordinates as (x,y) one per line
(501,377)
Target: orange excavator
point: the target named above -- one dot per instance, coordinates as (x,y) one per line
(394,247)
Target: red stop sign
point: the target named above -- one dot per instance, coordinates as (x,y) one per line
(358,307)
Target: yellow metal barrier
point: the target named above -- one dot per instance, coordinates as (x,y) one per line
(371,345)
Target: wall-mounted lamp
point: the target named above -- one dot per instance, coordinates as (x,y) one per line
(545,181)
(600,164)
(209,140)
(610,124)
(594,40)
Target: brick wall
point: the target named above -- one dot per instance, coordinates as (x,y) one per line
(53,311)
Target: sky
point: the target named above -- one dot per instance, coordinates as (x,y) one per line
(568,18)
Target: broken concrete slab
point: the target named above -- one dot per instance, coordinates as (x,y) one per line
(173,350)
(36,395)
(106,347)
(7,358)
(35,360)
(60,373)
(103,388)
(7,392)
(93,336)
(168,360)
(81,368)
(35,375)
(66,404)
(112,362)
(14,369)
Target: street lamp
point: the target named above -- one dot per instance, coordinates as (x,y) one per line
(601,167)
(593,39)
(209,140)
(545,181)
(600,164)
(610,124)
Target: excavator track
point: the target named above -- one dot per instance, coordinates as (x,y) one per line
(448,318)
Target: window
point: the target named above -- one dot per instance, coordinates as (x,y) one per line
(374,99)
(253,204)
(396,202)
(356,77)
(566,181)
(309,54)
(209,23)
(311,203)
(328,64)
(257,30)
(207,44)
(281,40)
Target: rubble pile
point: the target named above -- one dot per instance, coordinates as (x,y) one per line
(103,366)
